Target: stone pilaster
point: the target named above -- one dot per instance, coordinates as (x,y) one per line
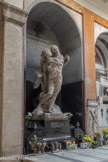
(12,20)
(1,72)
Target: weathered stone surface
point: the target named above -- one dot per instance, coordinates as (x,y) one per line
(78,155)
(12,14)
(17,3)
(27,161)
(49,116)
(11,79)
(48,128)
(49,76)
(12,90)
(92,116)
(1,74)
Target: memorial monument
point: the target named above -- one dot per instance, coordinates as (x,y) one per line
(47,114)
(49,76)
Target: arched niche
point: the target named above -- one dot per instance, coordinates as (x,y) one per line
(101,63)
(48,24)
(101,52)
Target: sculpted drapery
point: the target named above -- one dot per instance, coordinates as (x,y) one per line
(49,76)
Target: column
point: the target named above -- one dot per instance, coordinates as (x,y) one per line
(12,20)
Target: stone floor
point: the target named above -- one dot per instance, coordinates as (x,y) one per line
(99,154)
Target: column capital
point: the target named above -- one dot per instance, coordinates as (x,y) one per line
(13,14)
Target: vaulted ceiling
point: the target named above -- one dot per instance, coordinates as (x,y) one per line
(101,47)
(58,21)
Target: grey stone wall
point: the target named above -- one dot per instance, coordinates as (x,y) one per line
(73,72)
(12,90)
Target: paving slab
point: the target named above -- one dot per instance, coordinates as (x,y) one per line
(80,155)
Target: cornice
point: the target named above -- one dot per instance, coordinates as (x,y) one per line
(13,14)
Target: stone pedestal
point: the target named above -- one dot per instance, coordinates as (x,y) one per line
(50,125)
(49,116)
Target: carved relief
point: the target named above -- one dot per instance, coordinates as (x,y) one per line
(92,122)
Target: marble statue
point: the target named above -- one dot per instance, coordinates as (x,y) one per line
(49,76)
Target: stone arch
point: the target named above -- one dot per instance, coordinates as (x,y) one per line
(101,47)
(49,23)
(31,4)
(101,52)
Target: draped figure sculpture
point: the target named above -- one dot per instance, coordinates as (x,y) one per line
(49,76)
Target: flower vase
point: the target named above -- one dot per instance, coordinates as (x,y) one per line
(69,147)
(88,144)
